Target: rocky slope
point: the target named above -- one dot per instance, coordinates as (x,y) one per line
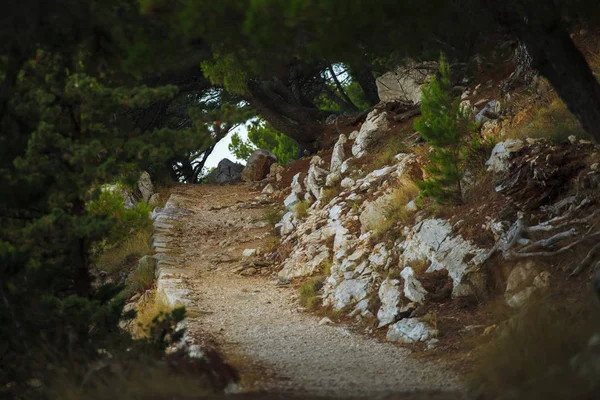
(394,275)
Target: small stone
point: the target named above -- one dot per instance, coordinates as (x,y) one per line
(269,189)
(249,253)
(325,321)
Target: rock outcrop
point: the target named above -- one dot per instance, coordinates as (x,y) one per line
(227,171)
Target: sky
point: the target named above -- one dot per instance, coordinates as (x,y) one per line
(221,150)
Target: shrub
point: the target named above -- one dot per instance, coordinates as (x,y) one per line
(111,205)
(444,126)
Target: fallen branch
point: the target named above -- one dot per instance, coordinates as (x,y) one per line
(545,243)
(513,254)
(405,116)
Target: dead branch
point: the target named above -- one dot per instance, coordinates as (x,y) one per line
(405,116)
(546,243)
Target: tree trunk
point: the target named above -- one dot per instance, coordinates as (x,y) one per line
(295,121)
(364,76)
(557,58)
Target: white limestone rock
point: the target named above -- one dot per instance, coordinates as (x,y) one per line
(432,240)
(375,126)
(389,295)
(337,156)
(404,84)
(291,201)
(409,330)
(296,185)
(315,177)
(379,255)
(350,291)
(413,289)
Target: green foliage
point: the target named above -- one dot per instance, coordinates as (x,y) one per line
(261,135)
(445,127)
(110,207)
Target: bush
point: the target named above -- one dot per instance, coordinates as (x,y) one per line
(444,126)
(111,205)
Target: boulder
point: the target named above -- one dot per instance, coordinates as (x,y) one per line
(145,186)
(375,126)
(379,255)
(409,330)
(490,111)
(258,166)
(227,171)
(404,84)
(389,296)
(154,200)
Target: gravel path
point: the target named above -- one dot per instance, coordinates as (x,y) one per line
(258,324)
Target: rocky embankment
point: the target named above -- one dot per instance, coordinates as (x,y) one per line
(386,260)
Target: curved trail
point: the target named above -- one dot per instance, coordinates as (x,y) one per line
(257,324)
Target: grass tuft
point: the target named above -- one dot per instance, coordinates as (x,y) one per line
(151,307)
(309,292)
(272,216)
(301,209)
(117,259)
(396,212)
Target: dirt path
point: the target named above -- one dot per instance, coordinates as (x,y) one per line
(257,324)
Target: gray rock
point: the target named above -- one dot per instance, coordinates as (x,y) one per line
(493,107)
(409,330)
(147,263)
(347,183)
(227,171)
(269,189)
(154,200)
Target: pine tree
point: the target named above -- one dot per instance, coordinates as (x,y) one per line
(445,127)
